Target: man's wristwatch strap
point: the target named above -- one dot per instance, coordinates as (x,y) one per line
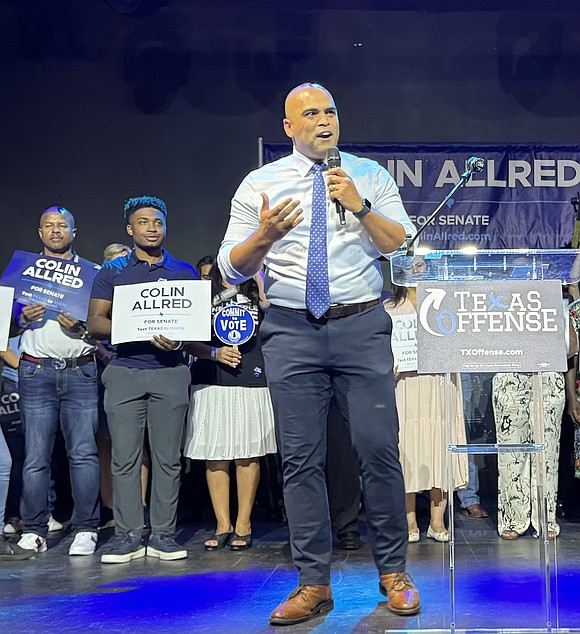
(366,208)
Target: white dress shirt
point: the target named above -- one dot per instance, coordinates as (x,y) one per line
(354,272)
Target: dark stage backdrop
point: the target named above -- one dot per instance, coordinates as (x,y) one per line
(98,104)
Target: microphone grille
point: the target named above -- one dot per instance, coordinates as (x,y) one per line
(333,157)
(475,163)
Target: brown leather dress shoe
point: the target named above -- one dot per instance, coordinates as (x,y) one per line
(303,604)
(403,596)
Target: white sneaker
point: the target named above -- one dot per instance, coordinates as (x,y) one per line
(54,525)
(84,543)
(32,541)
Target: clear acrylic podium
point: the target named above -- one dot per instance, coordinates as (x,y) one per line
(469,265)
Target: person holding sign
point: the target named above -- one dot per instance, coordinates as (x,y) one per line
(326,332)
(57,380)
(146,387)
(230,414)
(422,437)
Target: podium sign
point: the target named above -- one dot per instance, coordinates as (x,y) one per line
(491,326)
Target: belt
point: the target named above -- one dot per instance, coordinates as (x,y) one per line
(59,364)
(335,310)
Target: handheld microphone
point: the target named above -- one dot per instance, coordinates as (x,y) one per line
(333,160)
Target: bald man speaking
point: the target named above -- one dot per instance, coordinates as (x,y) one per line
(326,333)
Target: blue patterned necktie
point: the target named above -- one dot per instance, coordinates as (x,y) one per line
(317,287)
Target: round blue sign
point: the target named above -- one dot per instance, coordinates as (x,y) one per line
(234,325)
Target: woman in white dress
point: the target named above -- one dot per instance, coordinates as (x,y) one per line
(422,437)
(230,416)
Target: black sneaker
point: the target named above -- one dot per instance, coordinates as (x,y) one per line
(107,520)
(12,552)
(126,549)
(349,541)
(165,547)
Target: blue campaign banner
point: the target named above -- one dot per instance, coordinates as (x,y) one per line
(521,199)
(54,283)
(234,325)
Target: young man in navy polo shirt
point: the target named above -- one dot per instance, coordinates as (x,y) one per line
(146,386)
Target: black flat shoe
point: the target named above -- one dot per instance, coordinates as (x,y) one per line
(222,540)
(349,541)
(245,539)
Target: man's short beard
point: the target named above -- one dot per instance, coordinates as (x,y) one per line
(60,250)
(149,248)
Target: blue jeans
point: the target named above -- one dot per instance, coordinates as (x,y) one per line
(47,397)
(469,495)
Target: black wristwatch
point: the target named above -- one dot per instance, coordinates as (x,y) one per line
(366,208)
(86,337)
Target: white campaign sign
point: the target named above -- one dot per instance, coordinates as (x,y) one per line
(177,309)
(404,342)
(6,298)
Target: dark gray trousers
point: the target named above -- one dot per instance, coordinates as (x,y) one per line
(342,475)
(306,361)
(157,400)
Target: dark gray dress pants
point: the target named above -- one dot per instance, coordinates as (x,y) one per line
(306,361)
(136,399)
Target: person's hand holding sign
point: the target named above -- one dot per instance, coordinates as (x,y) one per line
(228,355)
(70,324)
(30,313)
(163,343)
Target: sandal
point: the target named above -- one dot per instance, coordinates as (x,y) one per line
(509,535)
(551,534)
(475,511)
(222,540)
(246,542)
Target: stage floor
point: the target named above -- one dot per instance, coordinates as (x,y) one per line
(498,587)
